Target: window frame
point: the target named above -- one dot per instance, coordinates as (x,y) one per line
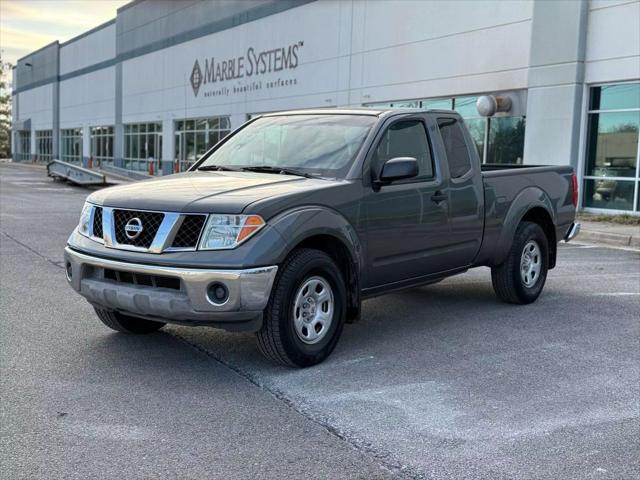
(584,160)
(44,145)
(143,132)
(466,135)
(70,138)
(101,136)
(368,164)
(218,126)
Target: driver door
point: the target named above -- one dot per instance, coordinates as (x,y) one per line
(406,224)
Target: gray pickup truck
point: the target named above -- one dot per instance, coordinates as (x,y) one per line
(287,224)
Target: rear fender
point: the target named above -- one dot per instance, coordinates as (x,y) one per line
(526,200)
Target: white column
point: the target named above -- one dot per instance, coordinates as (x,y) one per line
(556,76)
(168,147)
(86,144)
(32,140)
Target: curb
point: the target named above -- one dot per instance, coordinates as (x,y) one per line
(607,238)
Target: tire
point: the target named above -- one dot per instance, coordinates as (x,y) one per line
(283,338)
(126,324)
(510,283)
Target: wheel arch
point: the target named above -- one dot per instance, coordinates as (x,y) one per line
(326,230)
(531,205)
(341,254)
(541,216)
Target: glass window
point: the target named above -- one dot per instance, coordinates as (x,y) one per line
(23,150)
(608,193)
(612,150)
(614,97)
(71,145)
(44,145)
(498,139)
(324,144)
(455,147)
(382,105)
(438,104)
(102,145)
(506,140)
(466,106)
(477,127)
(408,104)
(143,146)
(613,140)
(405,139)
(197,136)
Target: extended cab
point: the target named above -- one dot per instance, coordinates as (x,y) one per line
(287,224)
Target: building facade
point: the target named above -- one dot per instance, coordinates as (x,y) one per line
(153,89)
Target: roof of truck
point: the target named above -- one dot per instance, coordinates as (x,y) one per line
(377,112)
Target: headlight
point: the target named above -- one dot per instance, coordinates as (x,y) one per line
(223,232)
(85,219)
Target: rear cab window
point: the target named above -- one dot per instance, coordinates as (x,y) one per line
(455,146)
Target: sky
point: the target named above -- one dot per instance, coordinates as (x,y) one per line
(27,25)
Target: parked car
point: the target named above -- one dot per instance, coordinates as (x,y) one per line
(287,224)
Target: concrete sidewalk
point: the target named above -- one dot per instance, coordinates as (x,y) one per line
(609,234)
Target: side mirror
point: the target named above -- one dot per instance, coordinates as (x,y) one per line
(397,169)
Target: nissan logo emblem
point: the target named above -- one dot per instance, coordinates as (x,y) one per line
(133,228)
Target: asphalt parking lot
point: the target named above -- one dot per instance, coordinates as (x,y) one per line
(436,382)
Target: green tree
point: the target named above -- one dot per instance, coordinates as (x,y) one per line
(5,109)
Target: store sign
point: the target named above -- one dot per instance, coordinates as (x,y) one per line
(256,70)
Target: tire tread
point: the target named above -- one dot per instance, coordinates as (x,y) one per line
(269,336)
(503,277)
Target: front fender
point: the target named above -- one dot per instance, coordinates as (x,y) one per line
(530,197)
(299,224)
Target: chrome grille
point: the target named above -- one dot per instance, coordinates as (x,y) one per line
(150,223)
(97,222)
(189,232)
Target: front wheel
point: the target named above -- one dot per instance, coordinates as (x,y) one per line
(306,312)
(521,277)
(127,324)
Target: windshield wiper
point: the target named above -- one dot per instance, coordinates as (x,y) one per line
(279,170)
(218,168)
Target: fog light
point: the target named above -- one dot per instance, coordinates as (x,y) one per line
(217,293)
(69,271)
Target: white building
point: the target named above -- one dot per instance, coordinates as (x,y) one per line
(155,87)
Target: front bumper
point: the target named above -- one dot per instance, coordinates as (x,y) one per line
(172,294)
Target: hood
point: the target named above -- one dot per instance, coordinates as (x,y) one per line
(202,192)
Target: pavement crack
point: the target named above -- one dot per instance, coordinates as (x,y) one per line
(58,264)
(385,459)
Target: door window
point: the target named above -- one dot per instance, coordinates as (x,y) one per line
(407,138)
(455,147)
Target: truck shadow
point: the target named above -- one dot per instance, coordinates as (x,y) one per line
(388,324)
(415,319)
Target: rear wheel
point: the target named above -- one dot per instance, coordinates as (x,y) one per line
(127,324)
(306,312)
(521,277)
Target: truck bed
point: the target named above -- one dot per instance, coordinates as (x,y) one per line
(509,184)
(493,169)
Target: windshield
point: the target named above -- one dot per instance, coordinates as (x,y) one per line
(320,144)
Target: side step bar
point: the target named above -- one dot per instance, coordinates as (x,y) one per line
(74,173)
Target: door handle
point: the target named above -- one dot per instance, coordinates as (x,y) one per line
(439,197)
